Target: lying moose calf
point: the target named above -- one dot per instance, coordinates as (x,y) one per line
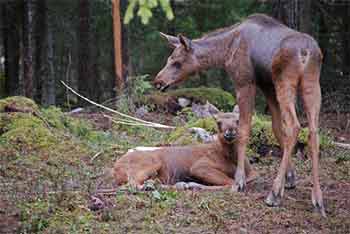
(205,166)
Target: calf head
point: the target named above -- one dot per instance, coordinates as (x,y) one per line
(181,63)
(227,127)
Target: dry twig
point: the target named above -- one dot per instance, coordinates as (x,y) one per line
(137,120)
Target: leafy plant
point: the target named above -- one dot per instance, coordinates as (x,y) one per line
(145,9)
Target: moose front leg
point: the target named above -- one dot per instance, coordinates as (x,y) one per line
(246,100)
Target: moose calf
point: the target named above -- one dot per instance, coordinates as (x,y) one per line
(204,166)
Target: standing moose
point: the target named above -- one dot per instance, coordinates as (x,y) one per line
(261,52)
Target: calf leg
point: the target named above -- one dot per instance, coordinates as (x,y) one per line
(272,102)
(210,174)
(286,89)
(136,175)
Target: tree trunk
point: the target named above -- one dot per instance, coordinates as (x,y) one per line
(28,47)
(40,42)
(346,42)
(125,51)
(84,81)
(305,21)
(287,11)
(11,37)
(117,45)
(47,71)
(95,54)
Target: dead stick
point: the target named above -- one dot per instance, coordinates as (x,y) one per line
(342,145)
(114,111)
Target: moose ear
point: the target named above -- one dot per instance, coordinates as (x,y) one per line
(185,42)
(173,41)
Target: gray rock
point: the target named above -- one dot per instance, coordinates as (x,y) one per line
(183,102)
(202,134)
(204,111)
(141,112)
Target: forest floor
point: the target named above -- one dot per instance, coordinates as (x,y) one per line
(51,163)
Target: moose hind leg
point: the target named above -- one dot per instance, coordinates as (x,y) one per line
(286,89)
(311,95)
(275,111)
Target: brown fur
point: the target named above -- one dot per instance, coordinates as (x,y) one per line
(260,52)
(209,164)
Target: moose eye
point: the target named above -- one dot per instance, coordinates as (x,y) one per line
(177,65)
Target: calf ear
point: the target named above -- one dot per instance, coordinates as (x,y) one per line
(185,42)
(236,111)
(172,41)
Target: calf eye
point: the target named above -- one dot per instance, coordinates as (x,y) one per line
(177,65)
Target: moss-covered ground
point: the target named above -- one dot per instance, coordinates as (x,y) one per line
(51,163)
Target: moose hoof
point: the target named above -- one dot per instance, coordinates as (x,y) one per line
(290,180)
(320,209)
(240,182)
(317,201)
(273,199)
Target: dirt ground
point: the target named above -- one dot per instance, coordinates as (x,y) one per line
(166,211)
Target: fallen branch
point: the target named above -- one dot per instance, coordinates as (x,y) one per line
(145,123)
(342,145)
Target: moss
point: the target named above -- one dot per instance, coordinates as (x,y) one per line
(218,97)
(181,135)
(262,134)
(25,130)
(19,102)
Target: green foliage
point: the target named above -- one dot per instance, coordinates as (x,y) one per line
(138,86)
(145,9)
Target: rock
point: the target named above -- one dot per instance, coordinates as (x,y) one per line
(202,134)
(141,112)
(204,111)
(183,102)
(96,203)
(76,110)
(243,231)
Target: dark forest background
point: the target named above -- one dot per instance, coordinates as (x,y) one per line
(45,41)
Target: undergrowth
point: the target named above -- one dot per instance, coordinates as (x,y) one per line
(50,162)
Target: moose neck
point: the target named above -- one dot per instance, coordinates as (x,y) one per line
(213,51)
(229,151)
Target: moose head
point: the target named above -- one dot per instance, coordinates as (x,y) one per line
(181,63)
